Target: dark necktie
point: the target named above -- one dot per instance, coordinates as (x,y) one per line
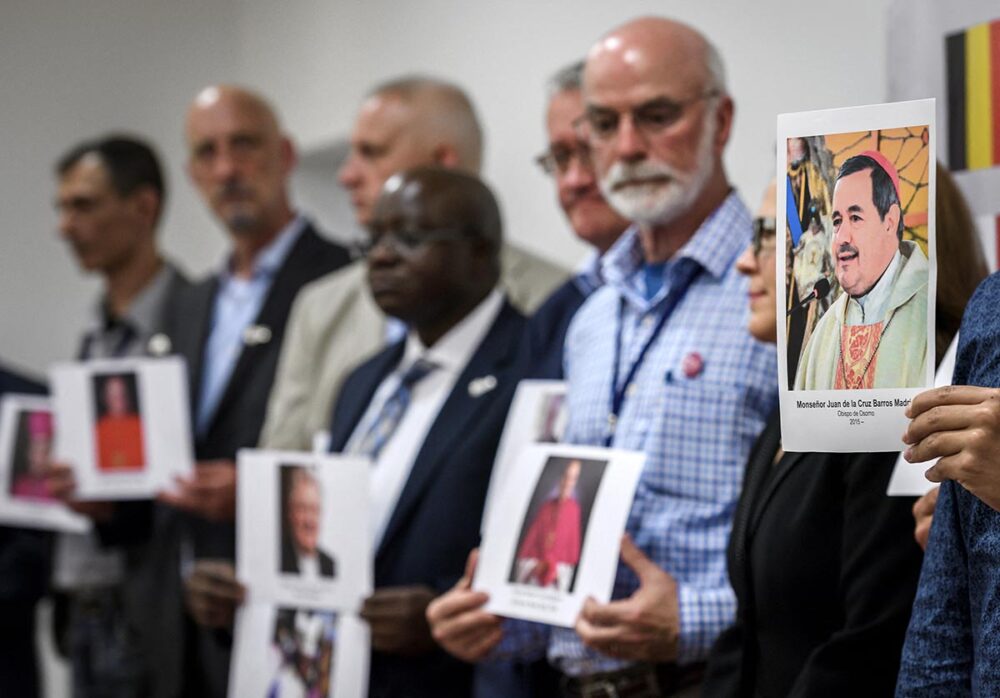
(391,414)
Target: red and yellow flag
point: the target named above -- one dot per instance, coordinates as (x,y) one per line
(973,64)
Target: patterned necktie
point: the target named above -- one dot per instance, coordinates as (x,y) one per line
(391,414)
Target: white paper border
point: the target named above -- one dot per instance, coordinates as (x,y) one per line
(255,663)
(837,428)
(344,530)
(162,387)
(17,511)
(595,575)
(518,431)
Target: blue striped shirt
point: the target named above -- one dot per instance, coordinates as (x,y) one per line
(698,402)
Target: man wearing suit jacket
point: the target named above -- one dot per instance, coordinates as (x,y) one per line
(407,122)
(110,197)
(229,328)
(432,263)
(567,161)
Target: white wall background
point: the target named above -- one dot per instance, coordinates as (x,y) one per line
(70,70)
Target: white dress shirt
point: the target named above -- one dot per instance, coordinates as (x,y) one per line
(450,354)
(309,566)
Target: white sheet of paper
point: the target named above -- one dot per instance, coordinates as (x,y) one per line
(536,571)
(18,506)
(537,415)
(908,478)
(274,650)
(161,389)
(863,420)
(267,562)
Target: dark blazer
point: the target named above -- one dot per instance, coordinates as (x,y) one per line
(186,660)
(825,568)
(24,574)
(545,334)
(290,561)
(436,520)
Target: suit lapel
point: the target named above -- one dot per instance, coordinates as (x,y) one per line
(192,320)
(296,268)
(460,412)
(758,467)
(771,484)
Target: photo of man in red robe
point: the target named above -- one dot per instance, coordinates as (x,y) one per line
(550,551)
(118,432)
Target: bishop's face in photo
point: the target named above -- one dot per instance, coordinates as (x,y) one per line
(864,241)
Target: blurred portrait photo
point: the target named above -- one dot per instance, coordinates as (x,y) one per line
(118,427)
(32,451)
(551,418)
(304,642)
(554,528)
(301,515)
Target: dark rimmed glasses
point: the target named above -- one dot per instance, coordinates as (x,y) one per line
(406,242)
(558,158)
(764,234)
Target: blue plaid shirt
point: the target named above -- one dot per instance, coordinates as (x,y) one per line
(695,425)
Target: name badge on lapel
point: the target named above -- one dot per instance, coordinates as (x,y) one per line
(255,335)
(480,386)
(159,345)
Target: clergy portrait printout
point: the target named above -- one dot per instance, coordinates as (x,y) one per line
(123,424)
(557,539)
(302,529)
(289,652)
(537,415)
(857,273)
(27,432)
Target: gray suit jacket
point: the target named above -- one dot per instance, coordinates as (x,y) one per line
(335,325)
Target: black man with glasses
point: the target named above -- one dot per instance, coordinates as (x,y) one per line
(428,410)
(335,324)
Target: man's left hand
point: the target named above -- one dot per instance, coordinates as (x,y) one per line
(397,616)
(643,627)
(210,492)
(960,425)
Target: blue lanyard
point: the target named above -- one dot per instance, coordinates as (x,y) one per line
(687,272)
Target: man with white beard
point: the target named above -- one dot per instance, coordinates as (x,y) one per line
(658,360)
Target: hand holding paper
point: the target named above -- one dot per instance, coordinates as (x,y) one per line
(961,426)
(213,593)
(458,622)
(643,627)
(210,492)
(61,484)
(398,619)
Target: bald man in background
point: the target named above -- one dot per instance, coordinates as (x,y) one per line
(229,328)
(335,324)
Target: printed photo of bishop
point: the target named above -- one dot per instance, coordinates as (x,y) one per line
(553,531)
(873,334)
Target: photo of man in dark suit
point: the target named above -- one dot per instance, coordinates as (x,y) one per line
(301,515)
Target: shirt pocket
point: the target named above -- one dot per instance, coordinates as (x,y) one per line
(693,444)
